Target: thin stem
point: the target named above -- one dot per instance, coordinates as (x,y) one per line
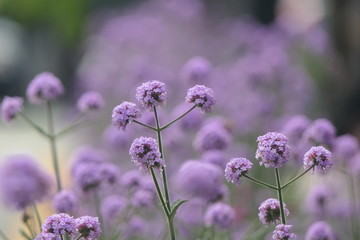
(79,237)
(280,197)
(61,236)
(30,229)
(171,228)
(297,177)
(77,122)
(3,236)
(38,217)
(34,125)
(52,140)
(145,125)
(354,220)
(175,120)
(158,190)
(260,182)
(97,209)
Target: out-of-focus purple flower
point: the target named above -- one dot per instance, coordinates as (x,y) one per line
(64,202)
(282,232)
(212,136)
(142,198)
(192,212)
(354,165)
(85,155)
(59,224)
(124,113)
(135,227)
(110,173)
(132,179)
(320,231)
(10,107)
(196,70)
(216,157)
(88,176)
(202,97)
(112,208)
(320,158)
(269,211)
(295,127)
(321,131)
(145,153)
(88,227)
(346,147)
(151,94)
(23,182)
(44,87)
(318,200)
(47,236)
(219,214)
(191,121)
(116,140)
(273,149)
(236,168)
(199,179)
(90,101)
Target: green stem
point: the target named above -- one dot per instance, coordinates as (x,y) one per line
(353,199)
(145,125)
(53,148)
(37,214)
(31,231)
(280,197)
(158,190)
(175,120)
(79,237)
(3,236)
(260,182)
(34,125)
(171,228)
(77,122)
(297,177)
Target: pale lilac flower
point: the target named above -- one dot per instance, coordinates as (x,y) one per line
(216,157)
(44,87)
(110,173)
(320,231)
(321,131)
(273,149)
(219,214)
(320,158)
(282,232)
(318,201)
(10,107)
(212,136)
(23,182)
(151,94)
(236,168)
(90,101)
(47,236)
(88,176)
(59,224)
(116,140)
(196,70)
(346,147)
(202,97)
(269,211)
(64,202)
(132,179)
(124,114)
(85,155)
(142,198)
(295,127)
(135,227)
(88,227)
(112,207)
(145,153)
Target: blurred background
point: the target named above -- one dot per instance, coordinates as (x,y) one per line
(267,61)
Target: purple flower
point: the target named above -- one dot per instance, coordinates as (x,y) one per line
(85,155)
(212,136)
(64,202)
(142,198)
(282,232)
(295,128)
(321,131)
(196,70)
(236,168)
(132,179)
(320,231)
(88,227)
(320,158)
(273,149)
(201,96)
(47,236)
(216,157)
(59,224)
(44,87)
(88,176)
(346,147)
(116,140)
(219,214)
(112,208)
(199,179)
(124,113)
(90,101)
(151,94)
(23,182)
(145,153)
(10,107)
(136,226)
(269,211)
(318,200)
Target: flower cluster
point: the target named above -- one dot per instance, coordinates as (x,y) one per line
(124,113)
(319,158)
(236,168)
(282,232)
(10,107)
(90,101)
(145,153)
(201,96)
(220,215)
(151,94)
(269,211)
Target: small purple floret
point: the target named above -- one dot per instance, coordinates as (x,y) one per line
(88,227)
(269,211)
(90,101)
(236,168)
(220,215)
(151,94)
(282,232)
(202,97)
(124,113)
(145,153)
(319,158)
(10,107)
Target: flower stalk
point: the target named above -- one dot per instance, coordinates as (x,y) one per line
(280,196)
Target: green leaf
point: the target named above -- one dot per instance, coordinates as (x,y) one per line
(175,207)
(24,234)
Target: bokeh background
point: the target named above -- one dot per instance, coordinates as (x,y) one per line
(269,60)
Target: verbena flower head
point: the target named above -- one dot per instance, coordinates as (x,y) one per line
(346,147)
(88,227)
(273,149)
(212,136)
(59,224)
(142,199)
(282,232)
(321,131)
(90,101)
(319,231)
(47,236)
(112,207)
(44,87)
(202,97)
(236,168)
(10,107)
(216,157)
(196,70)
(132,179)
(269,211)
(23,182)
(124,113)
(88,176)
(64,202)
(151,94)
(320,158)
(135,227)
(295,128)
(318,200)
(219,214)
(145,153)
